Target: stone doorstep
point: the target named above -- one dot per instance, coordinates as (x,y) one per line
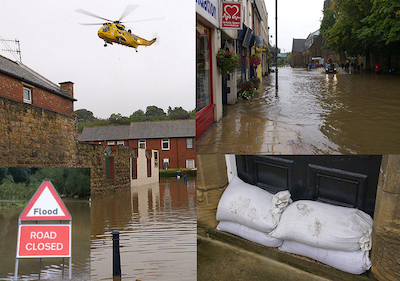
(302,263)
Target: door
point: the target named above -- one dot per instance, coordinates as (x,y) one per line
(349,181)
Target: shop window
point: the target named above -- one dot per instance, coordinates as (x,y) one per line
(165,144)
(203,72)
(27,95)
(189,143)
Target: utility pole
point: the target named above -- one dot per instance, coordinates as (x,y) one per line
(276,44)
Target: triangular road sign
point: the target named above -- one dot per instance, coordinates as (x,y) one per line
(45,204)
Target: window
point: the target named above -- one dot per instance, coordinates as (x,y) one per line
(165,144)
(148,158)
(189,143)
(111,143)
(120,142)
(190,163)
(156,159)
(203,82)
(134,155)
(166,163)
(27,95)
(142,144)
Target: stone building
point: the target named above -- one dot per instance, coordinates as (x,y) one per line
(38,128)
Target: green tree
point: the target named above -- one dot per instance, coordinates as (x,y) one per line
(155,113)
(118,119)
(84,115)
(178,113)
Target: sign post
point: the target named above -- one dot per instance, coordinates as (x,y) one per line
(49,240)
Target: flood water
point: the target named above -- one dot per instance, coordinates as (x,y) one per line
(157,225)
(334,113)
(48,268)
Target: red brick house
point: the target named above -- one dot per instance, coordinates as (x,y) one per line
(174,140)
(20,83)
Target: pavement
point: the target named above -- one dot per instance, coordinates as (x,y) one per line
(239,133)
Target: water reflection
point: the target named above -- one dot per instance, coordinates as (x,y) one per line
(157,223)
(49,268)
(335,113)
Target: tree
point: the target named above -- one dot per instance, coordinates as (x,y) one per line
(118,119)
(155,113)
(84,115)
(178,113)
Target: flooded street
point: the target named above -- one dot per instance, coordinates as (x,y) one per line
(334,113)
(157,225)
(48,268)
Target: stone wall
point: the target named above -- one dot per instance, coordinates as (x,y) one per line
(31,136)
(385,254)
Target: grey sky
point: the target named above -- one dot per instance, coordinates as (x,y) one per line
(296,19)
(113,79)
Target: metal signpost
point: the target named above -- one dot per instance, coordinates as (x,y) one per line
(40,240)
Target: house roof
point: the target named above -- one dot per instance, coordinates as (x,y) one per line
(25,74)
(141,130)
(298,45)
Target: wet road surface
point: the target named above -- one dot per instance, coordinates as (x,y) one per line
(321,114)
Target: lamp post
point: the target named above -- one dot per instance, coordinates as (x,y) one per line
(276,44)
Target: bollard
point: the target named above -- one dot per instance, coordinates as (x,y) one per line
(116,255)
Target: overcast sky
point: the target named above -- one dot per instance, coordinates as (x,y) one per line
(113,79)
(296,19)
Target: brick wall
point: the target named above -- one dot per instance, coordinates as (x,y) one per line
(177,154)
(13,88)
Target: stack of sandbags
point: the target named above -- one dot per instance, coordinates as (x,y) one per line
(251,212)
(337,236)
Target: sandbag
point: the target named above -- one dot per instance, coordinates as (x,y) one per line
(249,234)
(325,226)
(356,262)
(251,206)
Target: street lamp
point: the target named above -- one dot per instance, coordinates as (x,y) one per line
(276,44)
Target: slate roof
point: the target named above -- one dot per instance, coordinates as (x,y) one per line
(141,130)
(22,72)
(298,45)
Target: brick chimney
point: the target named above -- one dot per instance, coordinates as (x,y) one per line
(68,88)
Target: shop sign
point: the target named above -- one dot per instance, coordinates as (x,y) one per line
(208,9)
(231,15)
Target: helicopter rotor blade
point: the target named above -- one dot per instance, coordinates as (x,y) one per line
(82,11)
(144,20)
(91,23)
(129,9)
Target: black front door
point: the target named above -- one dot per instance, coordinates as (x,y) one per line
(349,181)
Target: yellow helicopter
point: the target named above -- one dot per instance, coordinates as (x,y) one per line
(115,32)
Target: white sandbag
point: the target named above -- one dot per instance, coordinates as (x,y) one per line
(251,206)
(356,262)
(325,226)
(249,233)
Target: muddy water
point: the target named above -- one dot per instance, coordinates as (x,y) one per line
(334,113)
(49,268)
(157,223)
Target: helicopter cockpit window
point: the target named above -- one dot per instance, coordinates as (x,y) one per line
(120,27)
(105,28)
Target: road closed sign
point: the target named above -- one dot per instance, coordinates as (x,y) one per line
(44,240)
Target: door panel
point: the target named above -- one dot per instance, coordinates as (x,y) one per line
(349,181)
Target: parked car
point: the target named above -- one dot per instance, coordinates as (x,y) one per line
(330,68)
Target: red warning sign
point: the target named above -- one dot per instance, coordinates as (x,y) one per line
(43,240)
(45,204)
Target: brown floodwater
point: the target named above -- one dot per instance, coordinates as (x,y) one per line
(334,113)
(157,225)
(48,268)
